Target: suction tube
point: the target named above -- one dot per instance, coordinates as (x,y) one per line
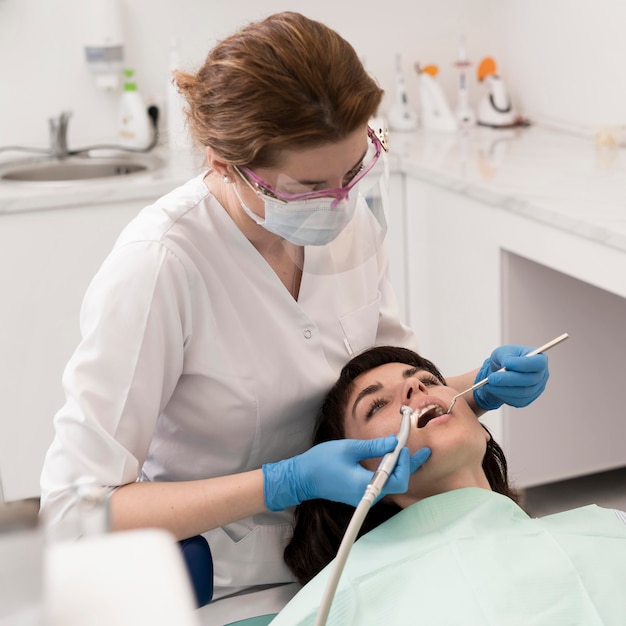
(372,491)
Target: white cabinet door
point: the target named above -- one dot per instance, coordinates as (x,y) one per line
(454,281)
(578,425)
(396,243)
(480,276)
(47,260)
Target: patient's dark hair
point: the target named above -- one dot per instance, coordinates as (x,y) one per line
(321,524)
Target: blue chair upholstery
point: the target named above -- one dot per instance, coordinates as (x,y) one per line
(197,556)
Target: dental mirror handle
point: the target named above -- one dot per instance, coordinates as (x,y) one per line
(484,381)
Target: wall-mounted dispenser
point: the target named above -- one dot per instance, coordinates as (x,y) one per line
(104,43)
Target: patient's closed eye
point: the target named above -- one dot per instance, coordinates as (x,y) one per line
(429,380)
(374,407)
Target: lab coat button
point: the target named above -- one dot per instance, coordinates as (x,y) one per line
(307,334)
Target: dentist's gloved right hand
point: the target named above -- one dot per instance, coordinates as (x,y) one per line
(332,471)
(522,383)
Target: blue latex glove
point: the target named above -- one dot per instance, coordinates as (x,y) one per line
(523,382)
(332,470)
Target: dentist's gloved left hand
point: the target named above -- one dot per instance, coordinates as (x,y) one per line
(332,471)
(523,382)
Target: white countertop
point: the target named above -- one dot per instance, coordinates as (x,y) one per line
(548,176)
(552,177)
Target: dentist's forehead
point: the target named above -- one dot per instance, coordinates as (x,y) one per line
(328,159)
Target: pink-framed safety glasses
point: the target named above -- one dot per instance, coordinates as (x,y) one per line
(263,190)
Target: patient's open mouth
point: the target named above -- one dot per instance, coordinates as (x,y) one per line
(428,413)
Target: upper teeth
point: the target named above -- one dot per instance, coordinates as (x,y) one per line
(436,411)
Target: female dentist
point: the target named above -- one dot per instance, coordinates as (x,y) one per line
(225,311)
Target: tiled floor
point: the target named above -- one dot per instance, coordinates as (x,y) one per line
(607,489)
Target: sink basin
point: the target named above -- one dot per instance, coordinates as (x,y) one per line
(78,168)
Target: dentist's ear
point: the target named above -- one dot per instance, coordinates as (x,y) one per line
(216,163)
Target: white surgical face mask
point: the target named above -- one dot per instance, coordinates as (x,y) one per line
(305,222)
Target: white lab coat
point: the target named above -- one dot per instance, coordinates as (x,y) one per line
(196,362)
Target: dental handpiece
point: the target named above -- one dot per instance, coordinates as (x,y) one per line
(484,381)
(388,462)
(372,491)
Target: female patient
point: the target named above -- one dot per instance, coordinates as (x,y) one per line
(455,548)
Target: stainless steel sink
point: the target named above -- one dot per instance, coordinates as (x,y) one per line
(79,168)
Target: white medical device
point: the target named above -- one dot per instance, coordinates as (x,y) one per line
(435,111)
(372,491)
(495,109)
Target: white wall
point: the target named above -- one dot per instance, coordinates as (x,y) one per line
(564,59)
(561,58)
(42,68)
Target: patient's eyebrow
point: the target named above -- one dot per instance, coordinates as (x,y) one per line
(368,391)
(376,387)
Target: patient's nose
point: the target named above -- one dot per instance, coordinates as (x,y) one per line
(412,386)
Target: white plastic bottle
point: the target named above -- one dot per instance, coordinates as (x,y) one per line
(135,129)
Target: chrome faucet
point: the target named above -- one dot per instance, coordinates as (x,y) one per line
(58,135)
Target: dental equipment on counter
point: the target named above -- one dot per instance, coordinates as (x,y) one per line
(484,381)
(436,114)
(495,109)
(372,491)
(401,116)
(464,112)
